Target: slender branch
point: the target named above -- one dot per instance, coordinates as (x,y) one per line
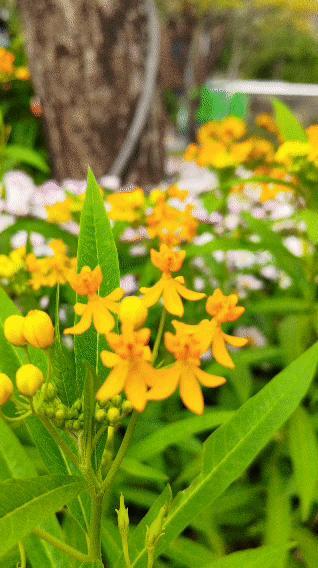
(121,454)
(60,545)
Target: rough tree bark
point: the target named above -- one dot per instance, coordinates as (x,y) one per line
(87,64)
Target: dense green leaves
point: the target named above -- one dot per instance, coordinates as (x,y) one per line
(25,503)
(263,557)
(96,246)
(230,450)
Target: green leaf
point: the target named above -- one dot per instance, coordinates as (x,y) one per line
(23,155)
(262,557)
(172,434)
(214,105)
(304,454)
(278,515)
(311,219)
(307,542)
(239,104)
(232,448)
(134,468)
(189,552)
(25,503)
(295,332)
(15,463)
(288,125)
(96,246)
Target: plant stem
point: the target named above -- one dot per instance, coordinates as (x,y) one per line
(121,454)
(124,542)
(59,440)
(151,557)
(68,550)
(161,326)
(94,535)
(22,555)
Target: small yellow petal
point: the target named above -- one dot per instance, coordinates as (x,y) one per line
(114,383)
(165,383)
(171,299)
(190,391)
(136,390)
(152,295)
(235,341)
(208,380)
(109,359)
(220,352)
(83,325)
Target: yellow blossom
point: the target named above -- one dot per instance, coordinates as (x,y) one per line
(130,366)
(290,150)
(98,310)
(51,270)
(13,330)
(29,379)
(185,372)
(170,289)
(6,388)
(223,309)
(172,225)
(6,62)
(13,263)
(22,73)
(266,121)
(127,206)
(38,329)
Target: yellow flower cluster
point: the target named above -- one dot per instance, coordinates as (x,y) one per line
(301,157)
(221,144)
(35,330)
(131,360)
(11,264)
(51,270)
(267,122)
(171,220)
(8,70)
(127,206)
(63,211)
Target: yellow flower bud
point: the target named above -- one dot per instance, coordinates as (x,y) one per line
(13,330)
(38,329)
(6,388)
(113,414)
(133,312)
(29,379)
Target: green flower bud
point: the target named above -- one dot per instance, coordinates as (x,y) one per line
(49,411)
(76,425)
(78,405)
(113,414)
(50,391)
(123,517)
(126,407)
(100,415)
(69,424)
(60,413)
(116,400)
(156,529)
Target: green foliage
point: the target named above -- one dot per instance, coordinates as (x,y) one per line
(215,105)
(288,125)
(96,246)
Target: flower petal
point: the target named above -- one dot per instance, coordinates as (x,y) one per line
(165,382)
(220,352)
(190,294)
(235,341)
(135,388)
(109,359)
(114,383)
(152,295)
(208,380)
(190,391)
(171,299)
(103,320)
(83,325)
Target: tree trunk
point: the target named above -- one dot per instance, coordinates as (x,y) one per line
(87,61)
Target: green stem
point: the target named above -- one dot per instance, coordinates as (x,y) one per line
(124,542)
(68,550)
(161,326)
(94,535)
(22,555)
(151,557)
(121,454)
(59,440)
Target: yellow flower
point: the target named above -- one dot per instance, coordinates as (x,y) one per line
(223,309)
(170,224)
(185,372)
(290,150)
(13,330)
(6,388)
(131,370)
(22,73)
(60,212)
(29,379)
(6,61)
(132,312)
(170,289)
(97,310)
(51,270)
(13,263)
(38,329)
(127,206)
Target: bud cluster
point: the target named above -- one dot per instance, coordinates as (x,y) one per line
(112,411)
